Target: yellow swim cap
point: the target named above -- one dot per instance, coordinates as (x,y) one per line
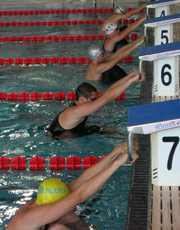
(51,190)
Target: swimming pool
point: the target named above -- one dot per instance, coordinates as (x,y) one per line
(22,123)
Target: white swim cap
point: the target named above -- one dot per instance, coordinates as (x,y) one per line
(94,51)
(119,9)
(110,27)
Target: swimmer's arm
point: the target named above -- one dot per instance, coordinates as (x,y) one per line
(116,17)
(44,214)
(133,75)
(135,11)
(98,167)
(114,58)
(125,50)
(113,19)
(108,96)
(121,81)
(125,32)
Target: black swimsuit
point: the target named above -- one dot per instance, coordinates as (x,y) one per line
(56,127)
(56,131)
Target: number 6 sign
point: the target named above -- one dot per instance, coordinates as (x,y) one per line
(166,76)
(166,157)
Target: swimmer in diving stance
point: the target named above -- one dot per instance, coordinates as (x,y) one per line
(115,34)
(72,120)
(101,64)
(53,207)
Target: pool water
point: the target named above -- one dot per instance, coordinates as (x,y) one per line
(22,123)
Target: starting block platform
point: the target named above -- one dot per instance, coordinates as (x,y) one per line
(153,53)
(166,67)
(149,118)
(162,7)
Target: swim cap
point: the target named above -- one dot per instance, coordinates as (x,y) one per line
(94,51)
(119,9)
(51,190)
(110,27)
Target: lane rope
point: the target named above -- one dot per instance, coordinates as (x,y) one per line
(51,60)
(45,96)
(54,163)
(57,11)
(42,38)
(61,23)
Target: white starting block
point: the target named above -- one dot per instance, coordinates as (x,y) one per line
(163,27)
(161,7)
(166,67)
(162,121)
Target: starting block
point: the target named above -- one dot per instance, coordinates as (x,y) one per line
(166,67)
(163,28)
(162,121)
(162,7)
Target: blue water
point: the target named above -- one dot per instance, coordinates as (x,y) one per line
(22,123)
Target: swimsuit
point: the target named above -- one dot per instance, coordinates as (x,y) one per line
(56,131)
(112,75)
(119,44)
(56,127)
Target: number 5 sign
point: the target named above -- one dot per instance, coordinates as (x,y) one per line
(164,34)
(166,76)
(165,147)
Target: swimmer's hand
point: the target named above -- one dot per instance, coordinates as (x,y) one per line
(120,158)
(135,76)
(135,157)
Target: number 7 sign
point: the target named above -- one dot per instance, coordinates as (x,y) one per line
(166,157)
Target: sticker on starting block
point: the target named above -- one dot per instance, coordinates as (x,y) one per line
(166,76)
(165,147)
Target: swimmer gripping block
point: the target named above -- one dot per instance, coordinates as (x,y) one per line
(4,163)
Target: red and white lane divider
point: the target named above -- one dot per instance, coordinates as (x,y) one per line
(58,11)
(54,163)
(60,23)
(42,38)
(52,60)
(45,96)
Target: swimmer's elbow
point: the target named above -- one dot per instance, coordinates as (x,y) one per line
(83,193)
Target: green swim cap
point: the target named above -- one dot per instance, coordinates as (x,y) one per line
(51,190)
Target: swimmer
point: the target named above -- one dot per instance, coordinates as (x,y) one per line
(53,207)
(101,64)
(116,35)
(73,119)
